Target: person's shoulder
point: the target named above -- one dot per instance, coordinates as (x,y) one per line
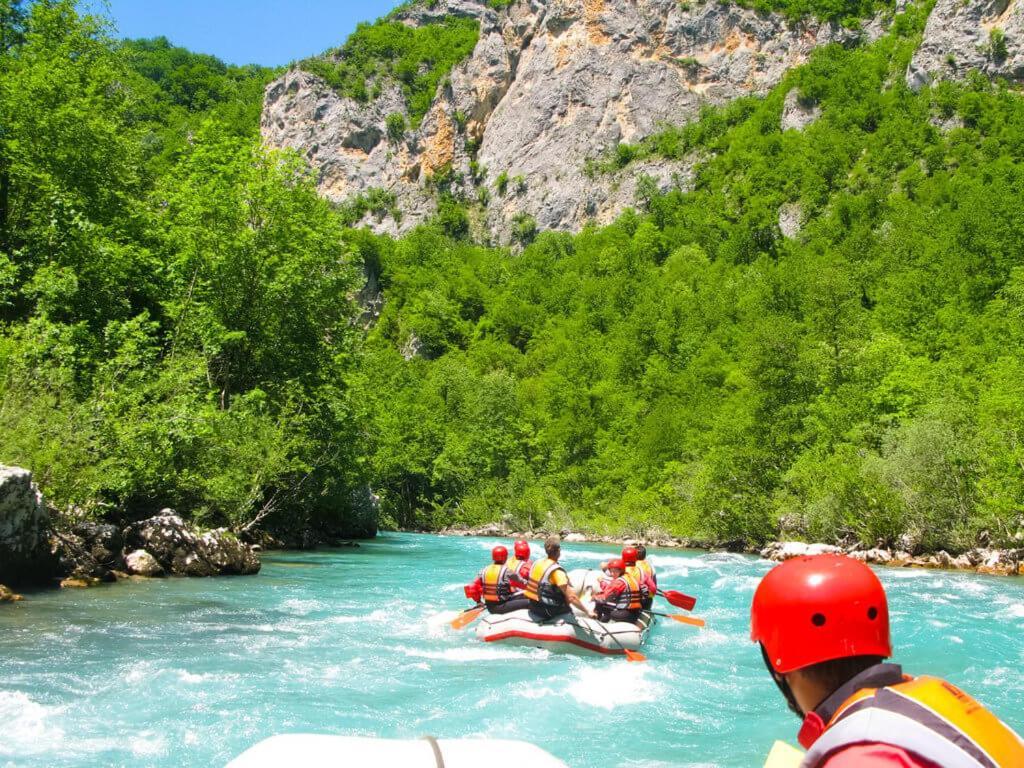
(876,756)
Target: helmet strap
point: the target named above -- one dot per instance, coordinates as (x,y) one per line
(783,686)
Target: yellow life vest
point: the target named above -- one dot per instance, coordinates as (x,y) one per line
(539,588)
(927,716)
(645,568)
(495,580)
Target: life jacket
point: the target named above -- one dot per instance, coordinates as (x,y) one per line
(926,716)
(518,572)
(647,569)
(629,599)
(637,575)
(539,588)
(496,586)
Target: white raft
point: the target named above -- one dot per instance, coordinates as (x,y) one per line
(319,751)
(569,632)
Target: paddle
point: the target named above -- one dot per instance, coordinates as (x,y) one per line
(692,620)
(630,655)
(467,616)
(678,599)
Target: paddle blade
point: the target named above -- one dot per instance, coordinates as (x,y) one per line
(679,600)
(692,620)
(634,655)
(467,617)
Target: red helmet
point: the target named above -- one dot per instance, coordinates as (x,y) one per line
(499,554)
(813,609)
(522,549)
(629,555)
(616,564)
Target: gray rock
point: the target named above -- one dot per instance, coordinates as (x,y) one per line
(790,219)
(25,554)
(961,35)
(141,563)
(795,115)
(181,551)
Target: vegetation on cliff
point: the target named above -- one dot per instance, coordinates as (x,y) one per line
(692,370)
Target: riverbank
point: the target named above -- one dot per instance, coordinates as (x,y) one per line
(990,561)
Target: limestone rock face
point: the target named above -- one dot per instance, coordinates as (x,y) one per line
(180,551)
(963,36)
(551,85)
(24,529)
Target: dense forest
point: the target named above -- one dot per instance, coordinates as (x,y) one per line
(178,323)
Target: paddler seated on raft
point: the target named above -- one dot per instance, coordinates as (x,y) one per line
(631,557)
(649,576)
(494,585)
(548,588)
(620,598)
(823,626)
(519,566)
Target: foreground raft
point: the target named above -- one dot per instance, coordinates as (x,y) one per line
(570,632)
(321,751)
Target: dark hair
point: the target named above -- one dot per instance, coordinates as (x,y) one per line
(830,675)
(641,552)
(552,545)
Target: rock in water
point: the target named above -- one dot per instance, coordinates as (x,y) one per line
(141,563)
(181,551)
(24,529)
(7,596)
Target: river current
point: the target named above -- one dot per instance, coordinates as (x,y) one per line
(190,672)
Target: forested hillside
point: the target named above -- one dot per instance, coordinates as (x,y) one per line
(179,323)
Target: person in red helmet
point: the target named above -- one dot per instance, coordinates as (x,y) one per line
(620,598)
(631,557)
(493,584)
(822,623)
(519,566)
(650,577)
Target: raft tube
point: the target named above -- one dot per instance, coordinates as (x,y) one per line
(570,632)
(319,751)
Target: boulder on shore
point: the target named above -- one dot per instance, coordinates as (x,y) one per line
(180,551)
(7,596)
(25,555)
(141,563)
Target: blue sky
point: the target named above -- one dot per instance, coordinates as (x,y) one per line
(269,32)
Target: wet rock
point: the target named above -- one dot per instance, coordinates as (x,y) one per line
(25,554)
(141,563)
(7,596)
(181,551)
(79,582)
(575,537)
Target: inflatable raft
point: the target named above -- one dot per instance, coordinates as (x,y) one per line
(318,751)
(570,632)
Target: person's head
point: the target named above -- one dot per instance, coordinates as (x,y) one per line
(522,549)
(616,567)
(553,547)
(499,554)
(641,552)
(629,556)
(820,621)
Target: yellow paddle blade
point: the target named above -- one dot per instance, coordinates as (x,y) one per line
(634,655)
(467,617)
(693,620)
(784,756)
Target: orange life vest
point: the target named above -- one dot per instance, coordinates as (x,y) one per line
(496,585)
(540,589)
(629,599)
(637,575)
(927,716)
(515,572)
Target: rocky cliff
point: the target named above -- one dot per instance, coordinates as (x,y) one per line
(551,85)
(554,84)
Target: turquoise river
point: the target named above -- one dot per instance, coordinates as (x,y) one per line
(190,672)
